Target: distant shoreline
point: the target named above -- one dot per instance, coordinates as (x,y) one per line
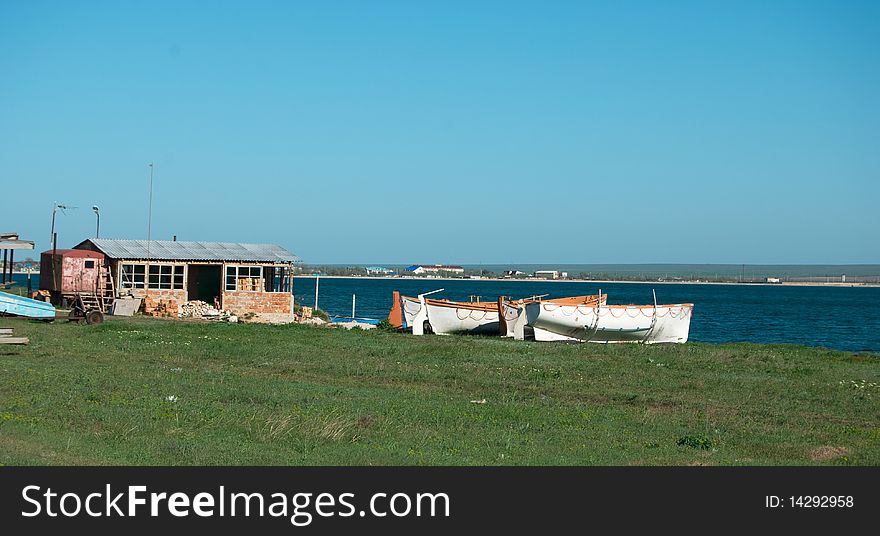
(684,282)
(504,279)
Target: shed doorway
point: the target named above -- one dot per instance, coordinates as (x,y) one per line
(203,283)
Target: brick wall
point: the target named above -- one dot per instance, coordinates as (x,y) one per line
(161,302)
(270,306)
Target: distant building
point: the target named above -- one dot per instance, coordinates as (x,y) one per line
(378,270)
(549,274)
(434,268)
(774,280)
(513,273)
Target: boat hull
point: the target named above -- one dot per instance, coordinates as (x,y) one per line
(516,320)
(513,313)
(610,323)
(11,304)
(410,308)
(448,318)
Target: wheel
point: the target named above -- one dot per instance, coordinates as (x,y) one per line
(94,317)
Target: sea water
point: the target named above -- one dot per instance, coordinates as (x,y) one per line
(844,318)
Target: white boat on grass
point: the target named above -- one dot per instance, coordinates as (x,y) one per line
(554,320)
(427,315)
(514,315)
(477,318)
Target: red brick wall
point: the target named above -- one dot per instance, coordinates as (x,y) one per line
(161,302)
(241,302)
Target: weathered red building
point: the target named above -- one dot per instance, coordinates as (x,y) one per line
(255,280)
(67,272)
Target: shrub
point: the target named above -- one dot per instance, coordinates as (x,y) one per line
(695,442)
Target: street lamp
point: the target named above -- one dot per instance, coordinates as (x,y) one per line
(98,223)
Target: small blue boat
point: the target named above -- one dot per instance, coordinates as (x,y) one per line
(10,304)
(338,319)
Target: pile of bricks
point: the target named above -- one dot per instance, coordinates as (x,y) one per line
(159,307)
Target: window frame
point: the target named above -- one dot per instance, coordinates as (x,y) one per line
(167,276)
(237,275)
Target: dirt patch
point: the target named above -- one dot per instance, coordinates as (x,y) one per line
(825,453)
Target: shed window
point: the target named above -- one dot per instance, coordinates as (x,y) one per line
(90,264)
(162,276)
(277,279)
(246,278)
(133,276)
(166,277)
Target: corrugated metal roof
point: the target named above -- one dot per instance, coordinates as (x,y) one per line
(190,251)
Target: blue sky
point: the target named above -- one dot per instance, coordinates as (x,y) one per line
(458,132)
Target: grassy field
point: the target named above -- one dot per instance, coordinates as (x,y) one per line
(145,391)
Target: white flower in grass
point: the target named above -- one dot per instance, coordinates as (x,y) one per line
(171,398)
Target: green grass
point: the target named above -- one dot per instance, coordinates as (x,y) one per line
(290,395)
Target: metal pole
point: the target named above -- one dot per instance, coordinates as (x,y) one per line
(149,228)
(353,299)
(150,208)
(97,212)
(317,282)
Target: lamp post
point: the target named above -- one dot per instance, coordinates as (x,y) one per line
(98,221)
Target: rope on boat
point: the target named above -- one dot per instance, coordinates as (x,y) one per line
(653,320)
(470,314)
(407,307)
(647,311)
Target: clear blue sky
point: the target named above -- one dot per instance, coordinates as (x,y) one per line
(458,132)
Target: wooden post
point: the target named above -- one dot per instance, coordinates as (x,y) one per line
(353,300)
(290,288)
(56,270)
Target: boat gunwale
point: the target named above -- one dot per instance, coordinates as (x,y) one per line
(623,305)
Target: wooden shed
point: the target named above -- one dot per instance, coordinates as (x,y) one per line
(69,272)
(245,279)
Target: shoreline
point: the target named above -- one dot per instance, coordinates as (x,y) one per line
(503,279)
(534,280)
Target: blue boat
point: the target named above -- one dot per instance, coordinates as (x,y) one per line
(338,319)
(10,304)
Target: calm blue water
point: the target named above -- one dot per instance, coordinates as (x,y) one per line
(835,317)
